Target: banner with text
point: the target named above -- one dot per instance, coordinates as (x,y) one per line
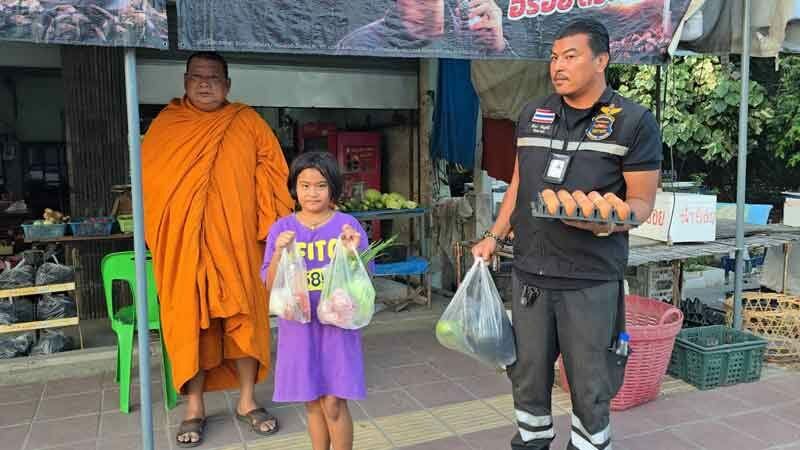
(476,29)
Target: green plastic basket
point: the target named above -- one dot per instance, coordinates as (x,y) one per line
(125,223)
(707,357)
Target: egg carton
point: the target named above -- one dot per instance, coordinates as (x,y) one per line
(540,210)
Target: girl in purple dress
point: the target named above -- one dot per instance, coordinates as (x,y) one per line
(320,365)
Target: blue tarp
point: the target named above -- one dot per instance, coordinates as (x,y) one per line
(456,114)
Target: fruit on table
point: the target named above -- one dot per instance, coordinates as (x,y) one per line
(569,204)
(602,204)
(372,195)
(374,199)
(623,209)
(586,205)
(550,201)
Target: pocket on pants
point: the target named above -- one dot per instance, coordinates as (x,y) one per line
(616,372)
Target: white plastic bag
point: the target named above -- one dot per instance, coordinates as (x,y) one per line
(348,297)
(288,298)
(475,322)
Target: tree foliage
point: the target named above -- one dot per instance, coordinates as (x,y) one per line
(701,110)
(785,129)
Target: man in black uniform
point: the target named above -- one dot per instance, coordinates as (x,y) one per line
(568,284)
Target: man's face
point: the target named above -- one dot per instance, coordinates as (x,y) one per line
(206,85)
(573,66)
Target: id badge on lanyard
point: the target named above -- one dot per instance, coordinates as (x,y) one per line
(555,171)
(556,168)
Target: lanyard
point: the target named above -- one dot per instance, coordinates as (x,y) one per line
(556,129)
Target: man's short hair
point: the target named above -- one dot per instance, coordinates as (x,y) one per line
(596,31)
(210,56)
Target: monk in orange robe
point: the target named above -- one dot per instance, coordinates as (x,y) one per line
(215,180)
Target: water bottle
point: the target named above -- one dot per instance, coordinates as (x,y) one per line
(622,344)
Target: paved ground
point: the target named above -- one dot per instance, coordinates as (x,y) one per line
(422,397)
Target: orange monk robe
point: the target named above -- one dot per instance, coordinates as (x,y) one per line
(213,185)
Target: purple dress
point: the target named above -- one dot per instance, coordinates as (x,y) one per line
(315,359)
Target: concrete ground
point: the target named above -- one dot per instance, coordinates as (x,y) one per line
(421,396)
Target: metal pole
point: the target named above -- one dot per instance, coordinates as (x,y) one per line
(741,175)
(132,98)
(659,105)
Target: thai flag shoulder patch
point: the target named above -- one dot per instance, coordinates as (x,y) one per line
(543,116)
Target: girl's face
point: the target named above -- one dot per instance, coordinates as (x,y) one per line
(313,192)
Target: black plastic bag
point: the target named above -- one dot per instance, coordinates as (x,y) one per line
(23,308)
(55,306)
(21,276)
(12,346)
(16,310)
(54,273)
(33,257)
(51,341)
(8,313)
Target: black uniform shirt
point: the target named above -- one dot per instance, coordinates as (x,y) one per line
(615,136)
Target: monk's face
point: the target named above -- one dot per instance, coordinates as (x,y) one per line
(313,191)
(206,85)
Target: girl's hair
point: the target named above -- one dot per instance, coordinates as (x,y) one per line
(325,163)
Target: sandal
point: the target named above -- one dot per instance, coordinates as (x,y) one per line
(197,426)
(256,418)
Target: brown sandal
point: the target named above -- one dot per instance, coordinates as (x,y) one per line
(258,417)
(197,426)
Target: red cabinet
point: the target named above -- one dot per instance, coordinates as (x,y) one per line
(358,154)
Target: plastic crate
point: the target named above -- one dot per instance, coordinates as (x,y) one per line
(125,223)
(652,281)
(697,314)
(98,226)
(37,232)
(708,357)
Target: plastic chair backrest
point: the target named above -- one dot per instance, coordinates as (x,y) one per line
(121,266)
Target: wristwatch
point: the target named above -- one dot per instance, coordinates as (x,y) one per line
(489,234)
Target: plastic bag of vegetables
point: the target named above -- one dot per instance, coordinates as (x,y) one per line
(288,298)
(475,322)
(348,297)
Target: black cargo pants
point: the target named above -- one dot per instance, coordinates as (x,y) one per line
(581,325)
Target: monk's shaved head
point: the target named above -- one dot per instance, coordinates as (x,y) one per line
(206,81)
(209,56)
